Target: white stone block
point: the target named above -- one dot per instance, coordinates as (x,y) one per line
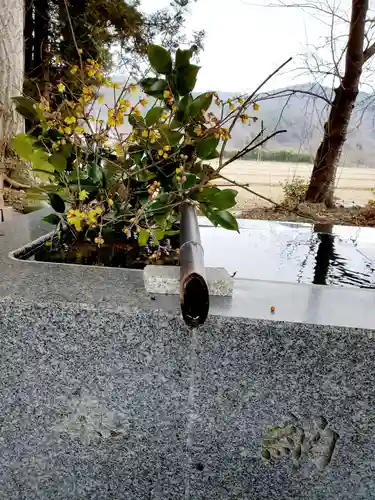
(166,280)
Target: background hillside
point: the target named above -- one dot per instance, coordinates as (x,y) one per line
(302,115)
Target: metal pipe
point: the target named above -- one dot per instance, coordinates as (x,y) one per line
(194,296)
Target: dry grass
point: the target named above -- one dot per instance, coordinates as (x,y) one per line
(352,187)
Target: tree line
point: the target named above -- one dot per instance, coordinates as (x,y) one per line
(37,34)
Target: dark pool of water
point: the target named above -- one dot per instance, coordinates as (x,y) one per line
(295,253)
(282,251)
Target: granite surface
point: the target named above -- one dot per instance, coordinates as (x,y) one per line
(112,405)
(105,393)
(93,405)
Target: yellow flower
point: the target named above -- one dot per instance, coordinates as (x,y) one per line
(143,102)
(61,87)
(101,99)
(144,134)
(244,118)
(164,116)
(99,240)
(256,106)
(68,130)
(110,202)
(160,152)
(178,170)
(98,210)
(167,94)
(241,100)
(125,230)
(63,142)
(167,148)
(83,195)
(174,107)
(232,107)
(165,156)
(78,130)
(69,120)
(125,103)
(132,88)
(74,69)
(80,51)
(91,72)
(118,149)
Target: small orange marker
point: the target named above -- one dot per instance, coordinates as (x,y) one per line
(272,309)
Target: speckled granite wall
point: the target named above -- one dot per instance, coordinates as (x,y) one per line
(100,404)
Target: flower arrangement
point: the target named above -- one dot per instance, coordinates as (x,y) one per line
(125,177)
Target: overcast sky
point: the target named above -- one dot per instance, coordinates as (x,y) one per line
(245,42)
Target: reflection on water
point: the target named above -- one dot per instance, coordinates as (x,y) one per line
(297,253)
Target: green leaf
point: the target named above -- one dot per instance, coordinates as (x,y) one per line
(170,136)
(146,83)
(154,87)
(27,107)
(58,161)
(183,58)
(153,115)
(160,59)
(207,194)
(144,176)
(137,121)
(191,180)
(226,220)
(183,110)
(206,146)
(57,203)
(175,124)
(157,207)
(66,150)
(48,173)
(52,219)
(173,232)
(224,199)
(158,234)
(266,454)
(202,102)
(143,237)
(95,173)
(215,154)
(23,145)
(186,79)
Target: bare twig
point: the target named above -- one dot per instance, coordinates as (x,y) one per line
(244,106)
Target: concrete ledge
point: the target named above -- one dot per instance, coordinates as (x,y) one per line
(166,280)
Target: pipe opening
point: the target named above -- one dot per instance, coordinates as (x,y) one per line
(194,300)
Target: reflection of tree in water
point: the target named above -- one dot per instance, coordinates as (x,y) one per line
(327,259)
(325,254)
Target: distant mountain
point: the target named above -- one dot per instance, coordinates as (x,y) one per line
(302,115)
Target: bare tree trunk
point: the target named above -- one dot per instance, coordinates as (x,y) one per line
(11,66)
(11,73)
(336,127)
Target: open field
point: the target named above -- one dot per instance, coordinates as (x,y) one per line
(353,183)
